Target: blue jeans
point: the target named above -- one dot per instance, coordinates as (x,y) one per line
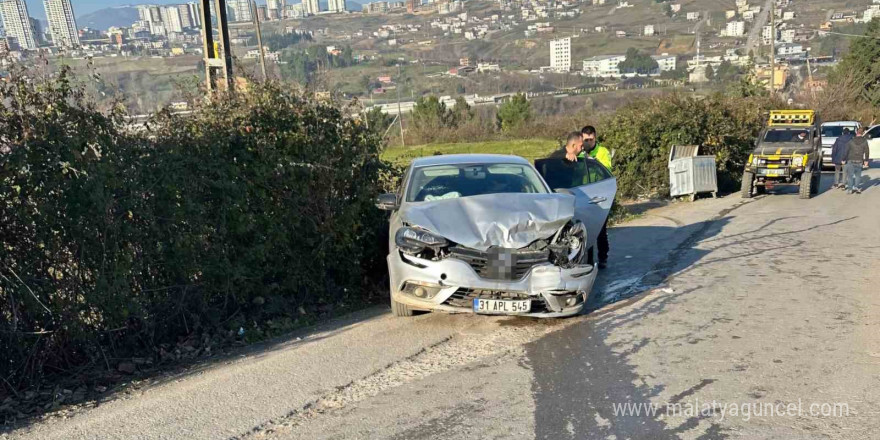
(852,174)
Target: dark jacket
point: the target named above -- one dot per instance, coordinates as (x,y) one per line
(857,149)
(838,150)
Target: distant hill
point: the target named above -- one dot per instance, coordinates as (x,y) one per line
(103,19)
(124,16)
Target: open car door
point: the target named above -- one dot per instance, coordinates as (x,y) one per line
(874,143)
(590,182)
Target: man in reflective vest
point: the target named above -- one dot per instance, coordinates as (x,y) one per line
(601,154)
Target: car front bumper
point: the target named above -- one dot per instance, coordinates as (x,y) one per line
(549,287)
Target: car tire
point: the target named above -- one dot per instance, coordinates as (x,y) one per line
(760,189)
(748,184)
(400,310)
(806,185)
(816,182)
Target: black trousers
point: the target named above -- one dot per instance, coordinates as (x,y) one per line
(602,243)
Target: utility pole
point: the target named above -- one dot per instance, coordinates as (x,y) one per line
(772,47)
(399,113)
(253,7)
(215,63)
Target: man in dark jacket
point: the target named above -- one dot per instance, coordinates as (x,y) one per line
(838,157)
(856,157)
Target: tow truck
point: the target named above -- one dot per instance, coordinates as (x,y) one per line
(788,152)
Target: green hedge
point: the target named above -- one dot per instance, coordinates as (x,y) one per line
(257,206)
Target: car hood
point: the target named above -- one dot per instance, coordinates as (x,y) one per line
(510,221)
(784,148)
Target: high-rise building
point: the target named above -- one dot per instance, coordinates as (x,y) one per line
(275,9)
(311,7)
(62,23)
(171,19)
(186,20)
(17,23)
(239,10)
(195,13)
(336,5)
(38,31)
(560,54)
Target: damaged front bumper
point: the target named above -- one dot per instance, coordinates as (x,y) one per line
(451,285)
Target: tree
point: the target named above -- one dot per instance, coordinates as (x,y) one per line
(377,121)
(461,112)
(710,72)
(430,113)
(862,64)
(514,112)
(637,62)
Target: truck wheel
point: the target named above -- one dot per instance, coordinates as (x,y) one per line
(400,310)
(748,184)
(806,185)
(814,185)
(760,189)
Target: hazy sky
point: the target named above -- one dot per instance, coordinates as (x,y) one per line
(82,7)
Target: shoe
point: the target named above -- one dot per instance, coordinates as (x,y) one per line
(857,191)
(603,265)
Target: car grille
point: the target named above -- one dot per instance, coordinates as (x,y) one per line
(465,298)
(500,264)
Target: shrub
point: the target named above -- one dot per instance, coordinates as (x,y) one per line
(256,205)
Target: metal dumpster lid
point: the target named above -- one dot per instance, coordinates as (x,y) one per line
(682,151)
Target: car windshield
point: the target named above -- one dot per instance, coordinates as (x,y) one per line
(834,130)
(787,135)
(454,181)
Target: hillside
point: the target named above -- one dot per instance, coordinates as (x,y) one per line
(122,16)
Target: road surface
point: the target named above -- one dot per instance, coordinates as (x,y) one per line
(766,305)
(756,32)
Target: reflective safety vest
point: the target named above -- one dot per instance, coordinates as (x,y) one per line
(599,153)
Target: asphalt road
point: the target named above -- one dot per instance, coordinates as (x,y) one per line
(770,302)
(757,29)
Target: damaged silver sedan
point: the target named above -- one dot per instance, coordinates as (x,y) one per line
(485,234)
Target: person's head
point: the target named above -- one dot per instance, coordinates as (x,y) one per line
(860,131)
(802,135)
(846,130)
(588,134)
(574,143)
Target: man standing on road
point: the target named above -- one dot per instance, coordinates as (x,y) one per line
(601,154)
(838,157)
(856,157)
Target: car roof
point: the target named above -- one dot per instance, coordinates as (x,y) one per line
(841,123)
(458,159)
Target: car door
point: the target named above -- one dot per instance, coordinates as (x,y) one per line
(874,142)
(592,185)
(594,198)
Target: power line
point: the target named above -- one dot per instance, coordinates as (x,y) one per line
(849,35)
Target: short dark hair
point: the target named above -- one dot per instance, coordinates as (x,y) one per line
(846,129)
(573,136)
(588,129)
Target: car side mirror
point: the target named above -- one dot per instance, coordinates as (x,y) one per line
(563,191)
(387,202)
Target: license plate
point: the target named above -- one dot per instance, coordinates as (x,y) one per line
(774,172)
(492,306)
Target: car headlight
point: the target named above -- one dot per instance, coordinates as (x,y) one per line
(569,246)
(413,241)
(798,161)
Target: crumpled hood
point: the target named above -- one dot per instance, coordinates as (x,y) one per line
(510,221)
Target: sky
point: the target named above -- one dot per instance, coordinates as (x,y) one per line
(83,7)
